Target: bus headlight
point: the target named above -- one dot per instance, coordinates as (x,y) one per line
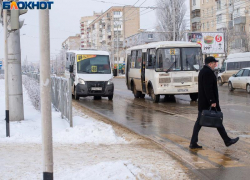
(110,82)
(81,81)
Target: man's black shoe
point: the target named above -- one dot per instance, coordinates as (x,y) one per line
(195,146)
(232,141)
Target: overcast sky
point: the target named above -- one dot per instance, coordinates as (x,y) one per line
(64,21)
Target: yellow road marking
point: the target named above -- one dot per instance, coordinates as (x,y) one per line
(193,160)
(211,155)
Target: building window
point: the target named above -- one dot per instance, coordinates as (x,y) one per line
(218,4)
(231,17)
(219,18)
(117,12)
(203,25)
(243,29)
(202,1)
(207,25)
(212,11)
(150,36)
(194,2)
(238,11)
(117,26)
(212,24)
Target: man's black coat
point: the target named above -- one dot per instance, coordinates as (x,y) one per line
(208,89)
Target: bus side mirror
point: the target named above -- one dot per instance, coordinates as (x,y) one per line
(71,68)
(234,75)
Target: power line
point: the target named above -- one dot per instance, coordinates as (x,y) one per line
(135,9)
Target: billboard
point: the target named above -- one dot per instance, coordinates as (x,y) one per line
(211,42)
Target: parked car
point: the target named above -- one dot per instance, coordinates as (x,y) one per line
(241,80)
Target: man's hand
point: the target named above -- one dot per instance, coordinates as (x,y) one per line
(213,105)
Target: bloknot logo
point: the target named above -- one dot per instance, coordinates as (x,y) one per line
(27,5)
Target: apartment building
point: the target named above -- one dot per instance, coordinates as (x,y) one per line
(85,29)
(195,15)
(72,43)
(108,31)
(208,9)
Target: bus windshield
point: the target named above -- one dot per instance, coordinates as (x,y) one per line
(93,64)
(179,59)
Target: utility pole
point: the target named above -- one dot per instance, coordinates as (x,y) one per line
(174,20)
(6,73)
(117,55)
(16,111)
(45,90)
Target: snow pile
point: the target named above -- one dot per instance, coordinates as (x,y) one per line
(121,170)
(86,130)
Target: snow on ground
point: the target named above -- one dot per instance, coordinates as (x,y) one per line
(86,129)
(89,151)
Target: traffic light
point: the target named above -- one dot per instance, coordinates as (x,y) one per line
(15,24)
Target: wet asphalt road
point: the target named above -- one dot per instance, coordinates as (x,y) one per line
(171,122)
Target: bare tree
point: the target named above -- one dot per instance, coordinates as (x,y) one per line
(165,15)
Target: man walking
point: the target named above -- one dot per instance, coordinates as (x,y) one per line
(208,97)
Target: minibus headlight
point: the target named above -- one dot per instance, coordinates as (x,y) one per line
(110,82)
(81,81)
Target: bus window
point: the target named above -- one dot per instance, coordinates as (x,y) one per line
(245,64)
(138,59)
(133,59)
(151,59)
(129,62)
(168,59)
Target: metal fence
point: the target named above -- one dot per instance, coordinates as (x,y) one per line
(61,95)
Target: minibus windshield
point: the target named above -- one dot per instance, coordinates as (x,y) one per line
(93,64)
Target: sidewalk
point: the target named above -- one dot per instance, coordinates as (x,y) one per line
(93,150)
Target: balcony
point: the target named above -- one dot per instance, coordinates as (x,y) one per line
(196,20)
(240,20)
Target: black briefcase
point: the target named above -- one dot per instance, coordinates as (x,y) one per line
(211,118)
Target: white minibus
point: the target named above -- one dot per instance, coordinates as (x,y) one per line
(90,72)
(232,65)
(164,68)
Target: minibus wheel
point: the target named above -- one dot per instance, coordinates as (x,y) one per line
(110,98)
(97,97)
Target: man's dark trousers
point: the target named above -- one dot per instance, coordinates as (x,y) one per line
(197,129)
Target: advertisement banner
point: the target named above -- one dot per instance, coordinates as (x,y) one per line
(211,42)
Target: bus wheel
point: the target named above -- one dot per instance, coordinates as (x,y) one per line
(136,93)
(155,98)
(142,96)
(76,97)
(194,96)
(220,82)
(110,98)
